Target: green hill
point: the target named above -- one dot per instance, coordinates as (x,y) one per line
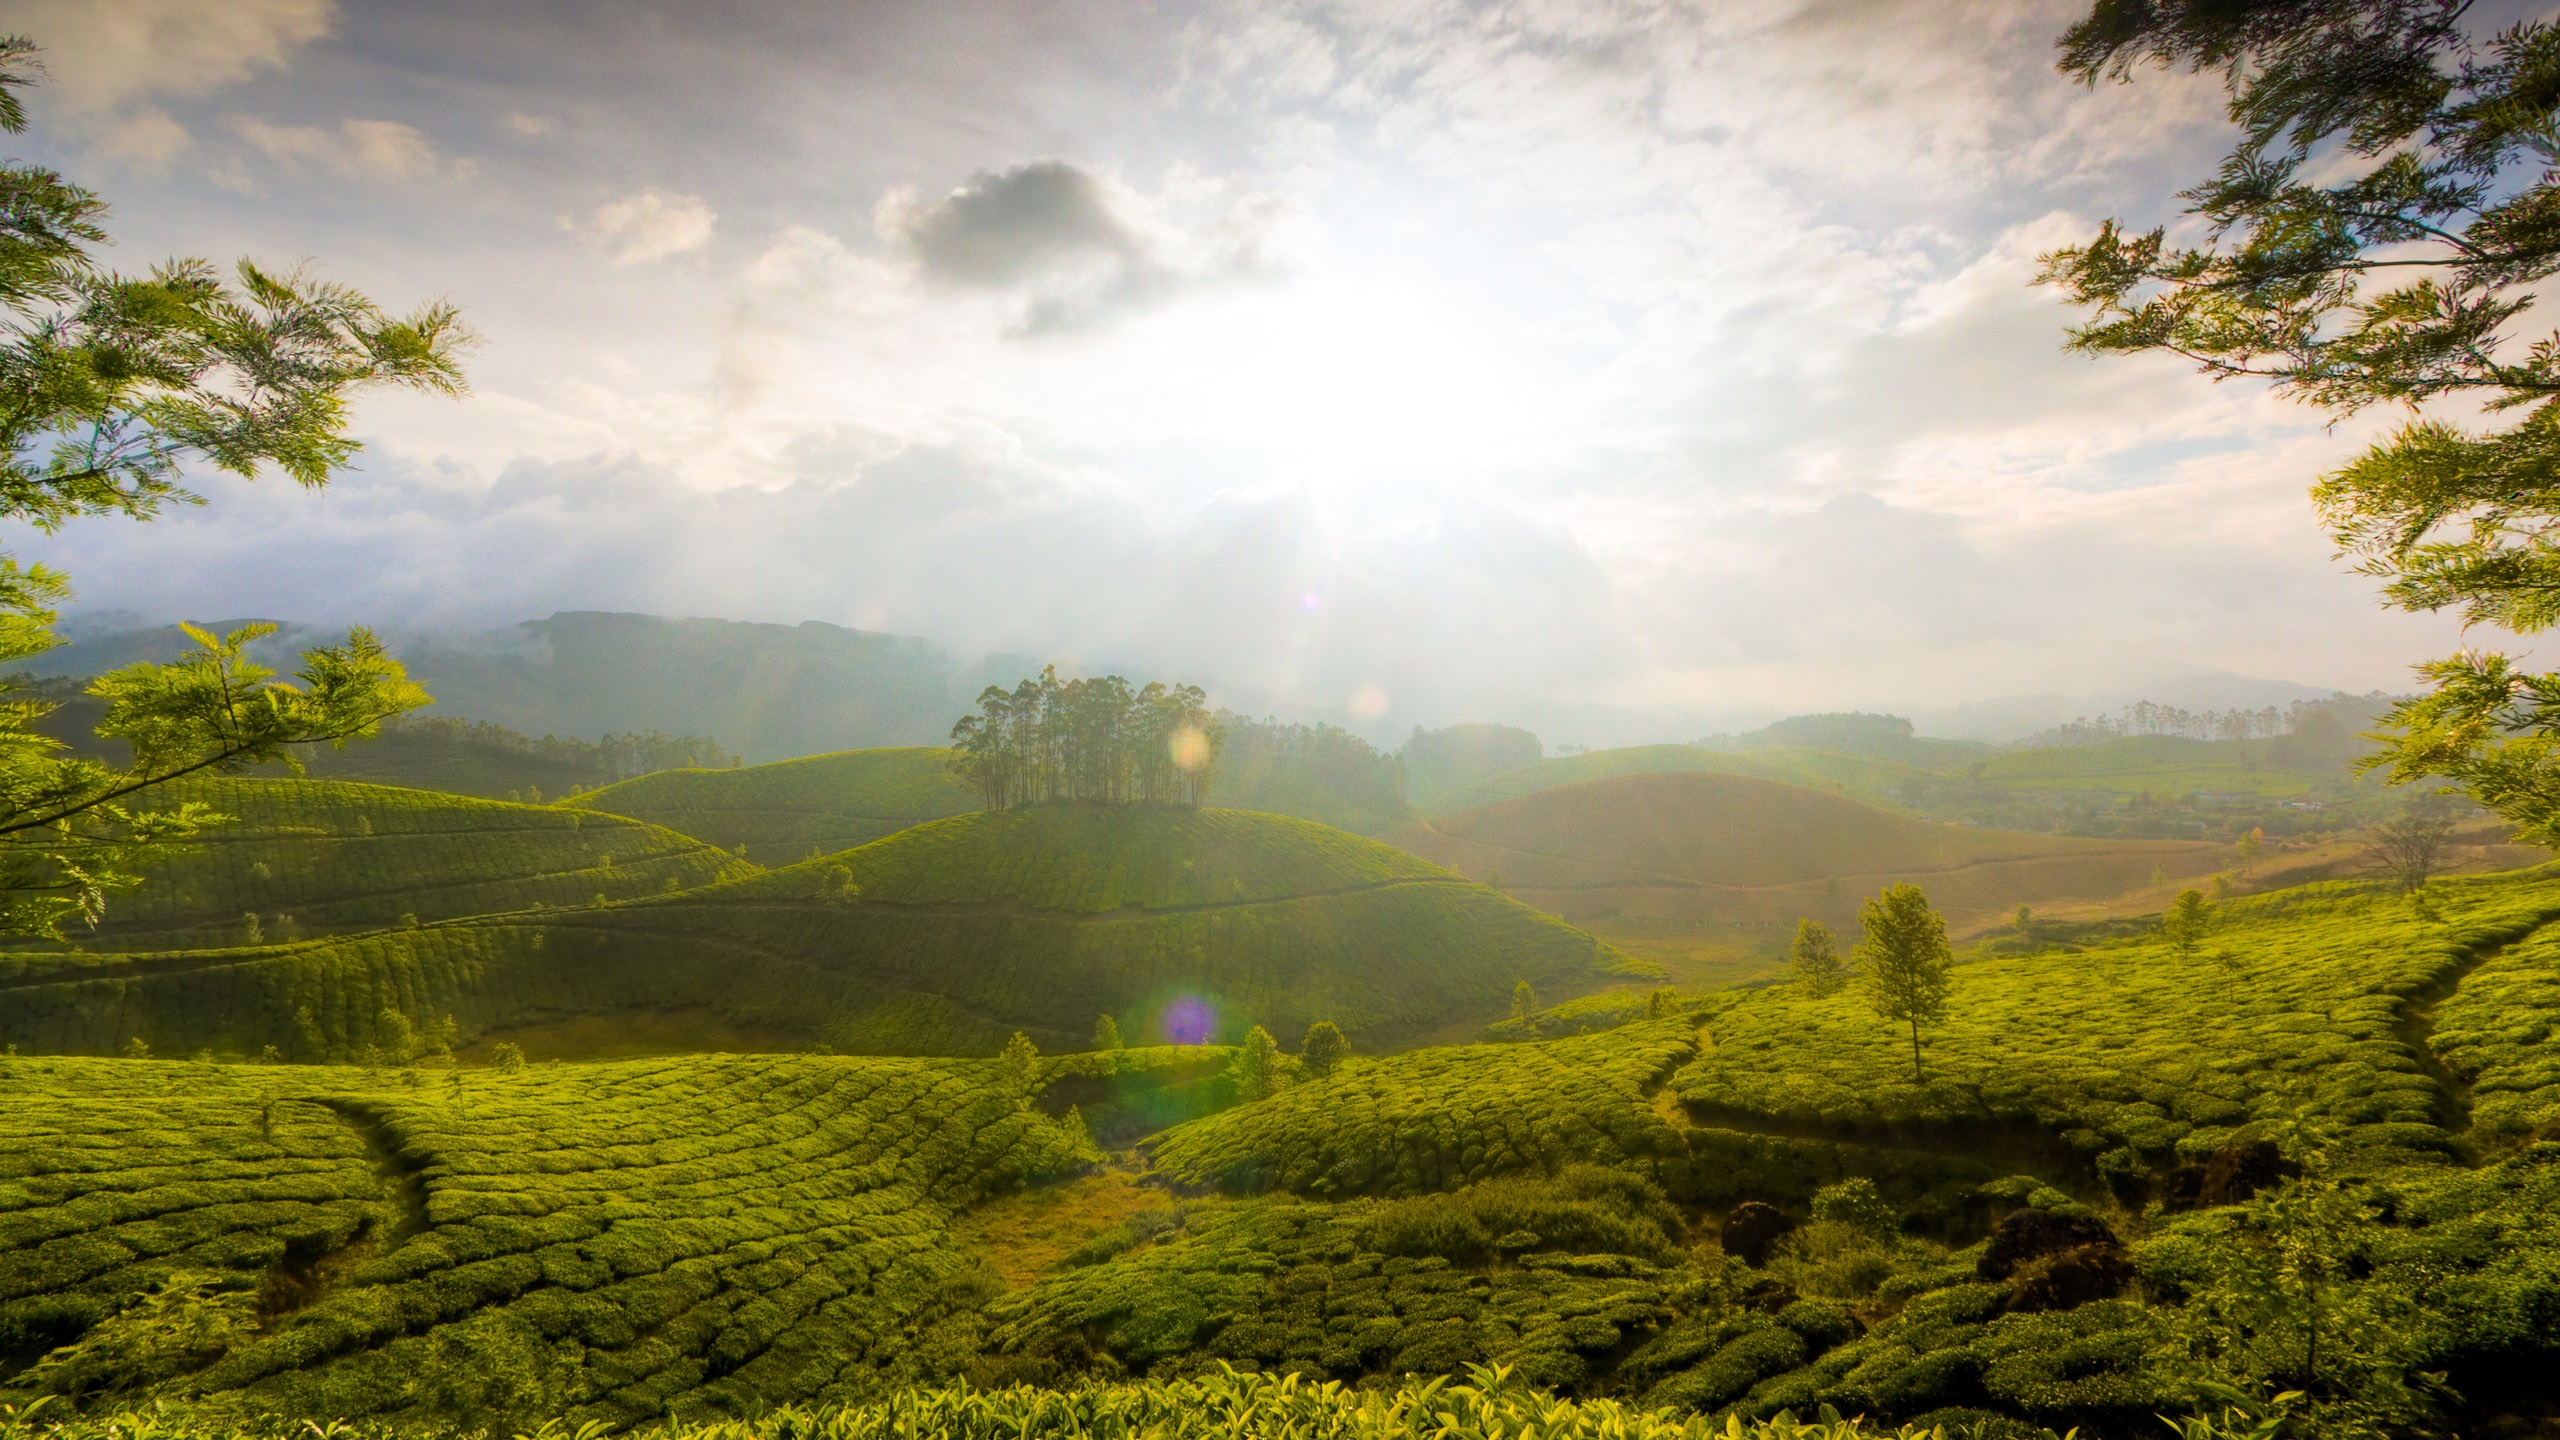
(1865,776)
(314,856)
(791,809)
(2070,1220)
(1720,847)
(941,939)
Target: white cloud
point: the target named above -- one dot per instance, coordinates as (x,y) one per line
(652,225)
(354,150)
(105,60)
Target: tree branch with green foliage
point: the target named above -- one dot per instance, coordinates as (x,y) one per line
(111,387)
(2403,274)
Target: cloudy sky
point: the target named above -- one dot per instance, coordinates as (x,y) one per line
(1403,358)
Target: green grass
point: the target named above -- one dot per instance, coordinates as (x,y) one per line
(964,931)
(314,856)
(786,811)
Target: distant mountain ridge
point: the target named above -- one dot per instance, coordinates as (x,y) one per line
(768,692)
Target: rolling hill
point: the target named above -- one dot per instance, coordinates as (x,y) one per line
(308,857)
(791,809)
(1836,771)
(1719,847)
(941,939)
(1746,1208)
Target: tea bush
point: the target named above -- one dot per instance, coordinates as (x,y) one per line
(1486,1404)
(324,855)
(952,936)
(1367,1287)
(1438,1118)
(2137,1050)
(601,1241)
(783,812)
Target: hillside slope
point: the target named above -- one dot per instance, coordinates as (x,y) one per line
(312,856)
(2103,1154)
(1700,846)
(942,939)
(791,809)
(1863,775)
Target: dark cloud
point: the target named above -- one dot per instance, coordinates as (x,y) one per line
(1077,249)
(1018,225)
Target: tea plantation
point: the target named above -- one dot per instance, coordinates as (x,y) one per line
(2308,1166)
(605,1242)
(792,809)
(315,856)
(943,939)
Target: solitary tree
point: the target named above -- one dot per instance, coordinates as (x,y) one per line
(1524,1003)
(1257,1064)
(1908,965)
(1818,971)
(2380,233)
(1020,1063)
(1106,1034)
(2411,849)
(2187,922)
(1324,1049)
(115,383)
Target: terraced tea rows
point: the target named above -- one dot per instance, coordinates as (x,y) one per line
(1371,1288)
(2136,1054)
(1447,1116)
(943,939)
(315,856)
(791,809)
(1734,848)
(609,1241)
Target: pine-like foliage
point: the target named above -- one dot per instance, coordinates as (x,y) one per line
(2379,235)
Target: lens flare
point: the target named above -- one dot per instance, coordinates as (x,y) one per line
(1189,747)
(1188,1021)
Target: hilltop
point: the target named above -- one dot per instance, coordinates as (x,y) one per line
(791,809)
(1701,846)
(307,857)
(941,939)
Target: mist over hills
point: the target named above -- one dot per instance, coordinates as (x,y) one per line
(774,691)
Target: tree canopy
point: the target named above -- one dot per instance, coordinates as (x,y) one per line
(1094,739)
(1908,965)
(117,385)
(2378,235)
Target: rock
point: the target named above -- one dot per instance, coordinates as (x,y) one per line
(2025,1235)
(2072,1277)
(1750,1228)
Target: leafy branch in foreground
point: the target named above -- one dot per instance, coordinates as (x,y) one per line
(2376,236)
(109,386)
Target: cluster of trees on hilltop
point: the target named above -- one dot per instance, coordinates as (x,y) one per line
(1094,739)
(1319,772)
(2146,717)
